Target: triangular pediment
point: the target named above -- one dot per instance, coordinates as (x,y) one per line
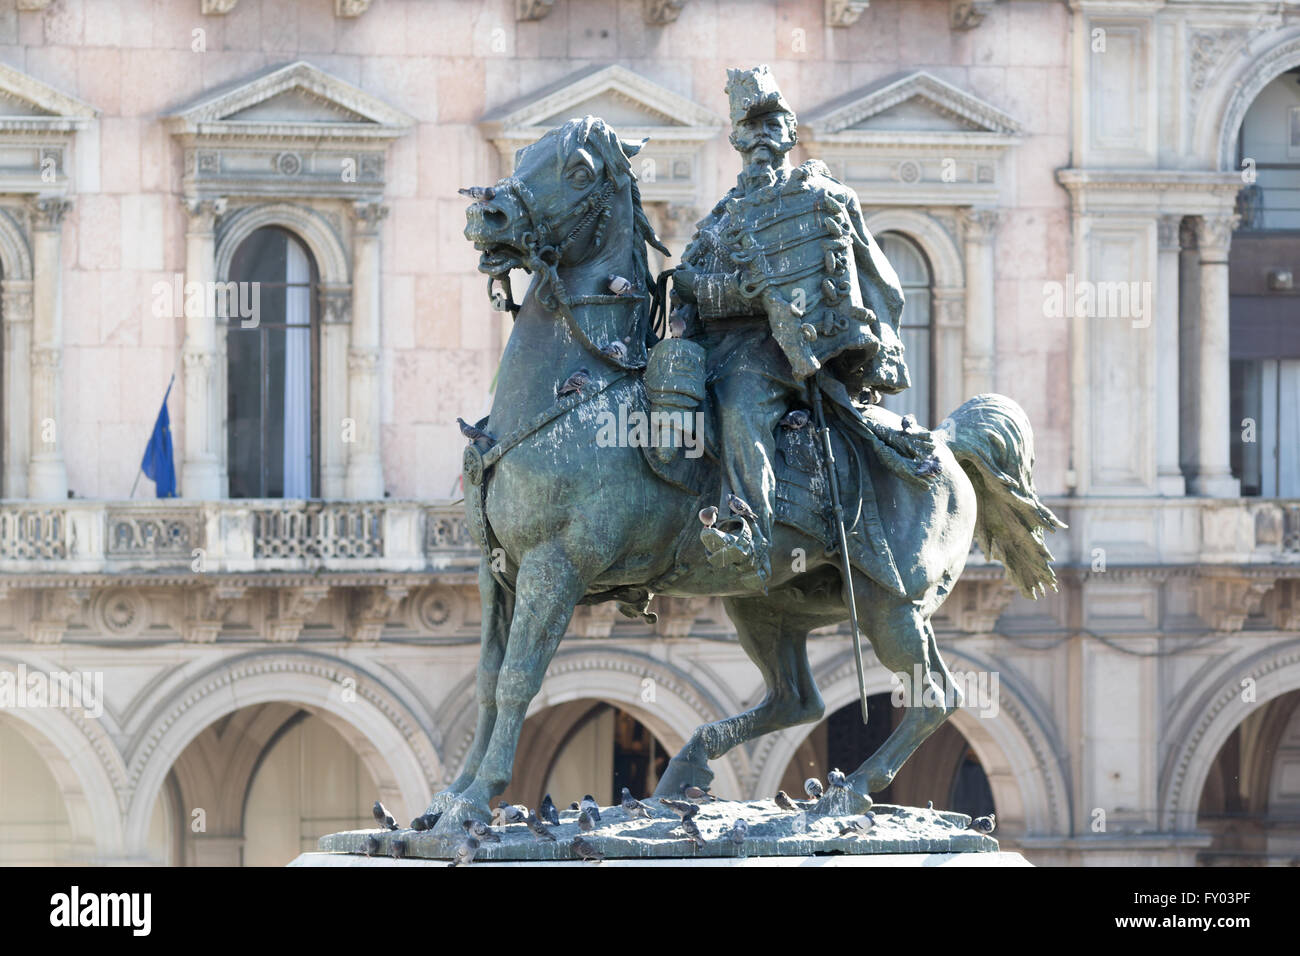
(298,97)
(919,103)
(625,99)
(25,99)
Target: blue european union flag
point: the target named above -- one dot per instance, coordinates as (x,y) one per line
(158,464)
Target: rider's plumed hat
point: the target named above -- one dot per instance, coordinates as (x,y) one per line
(754,92)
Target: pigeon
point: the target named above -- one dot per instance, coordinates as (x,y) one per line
(857,826)
(548,812)
(481,831)
(619,286)
(836,778)
(465,852)
(692,792)
(929,804)
(586,850)
(507,813)
(574,383)
(539,828)
(680,807)
(796,419)
(478,193)
(473,433)
(784,802)
(383,817)
(693,831)
(589,804)
(397,850)
(813,787)
(984,824)
(909,424)
(371,846)
(586,822)
(738,833)
(928,466)
(615,350)
(574,805)
(632,806)
(425,821)
(709,516)
(739,506)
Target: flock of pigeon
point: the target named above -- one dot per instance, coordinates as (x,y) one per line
(589,820)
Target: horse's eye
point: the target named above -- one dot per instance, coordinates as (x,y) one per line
(580,176)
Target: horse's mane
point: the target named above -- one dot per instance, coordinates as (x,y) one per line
(594,133)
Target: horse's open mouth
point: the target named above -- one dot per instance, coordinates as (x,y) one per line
(496,259)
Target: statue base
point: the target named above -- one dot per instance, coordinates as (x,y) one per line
(773,833)
(999,859)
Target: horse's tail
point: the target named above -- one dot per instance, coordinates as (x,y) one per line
(991,438)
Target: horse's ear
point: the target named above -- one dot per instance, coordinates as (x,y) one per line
(630,148)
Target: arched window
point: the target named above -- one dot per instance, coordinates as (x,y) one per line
(273,370)
(1264,297)
(914,274)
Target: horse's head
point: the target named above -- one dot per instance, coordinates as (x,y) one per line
(553,210)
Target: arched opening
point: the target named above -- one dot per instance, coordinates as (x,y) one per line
(1251,798)
(582,747)
(273,368)
(1264,291)
(262,784)
(35,829)
(916,325)
(944,770)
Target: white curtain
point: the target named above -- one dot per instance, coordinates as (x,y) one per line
(1288,429)
(297,374)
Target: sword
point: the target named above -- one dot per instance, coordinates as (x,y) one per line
(815,386)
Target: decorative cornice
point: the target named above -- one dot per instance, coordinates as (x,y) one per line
(56,111)
(832,121)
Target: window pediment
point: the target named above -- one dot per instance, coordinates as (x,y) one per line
(37,123)
(678,128)
(295,130)
(939,142)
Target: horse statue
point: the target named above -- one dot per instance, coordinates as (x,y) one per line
(564,518)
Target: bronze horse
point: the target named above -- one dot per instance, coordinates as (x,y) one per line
(563,518)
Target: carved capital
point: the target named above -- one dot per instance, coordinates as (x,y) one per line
(48,212)
(1168,232)
(1214,236)
(968,14)
(368,216)
(45,359)
(1224,599)
(16,305)
(371,608)
(661,12)
(203,214)
(205,612)
(677,615)
(844,13)
(350,8)
(532,9)
(979,225)
(289,609)
(335,305)
(977,605)
(216,8)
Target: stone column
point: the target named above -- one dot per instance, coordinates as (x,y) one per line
(978,226)
(949,330)
(47,477)
(202,471)
(1212,473)
(1169,476)
(365,474)
(17,311)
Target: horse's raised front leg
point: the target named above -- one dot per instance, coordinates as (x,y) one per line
(497,607)
(775,638)
(904,638)
(547,589)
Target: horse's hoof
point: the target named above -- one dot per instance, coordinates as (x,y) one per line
(680,773)
(452,821)
(440,801)
(841,802)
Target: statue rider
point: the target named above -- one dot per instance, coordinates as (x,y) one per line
(783,285)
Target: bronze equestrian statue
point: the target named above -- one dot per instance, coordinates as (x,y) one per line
(564,516)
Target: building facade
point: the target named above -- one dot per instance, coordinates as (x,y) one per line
(1093,206)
